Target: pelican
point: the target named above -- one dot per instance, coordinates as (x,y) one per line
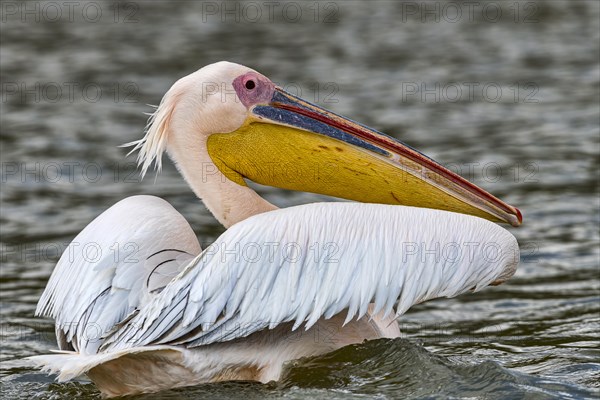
(279,284)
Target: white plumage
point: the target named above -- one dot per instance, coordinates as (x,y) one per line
(299,265)
(302,263)
(106,268)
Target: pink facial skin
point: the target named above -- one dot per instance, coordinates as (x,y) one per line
(253,88)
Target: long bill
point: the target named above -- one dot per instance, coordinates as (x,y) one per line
(292,144)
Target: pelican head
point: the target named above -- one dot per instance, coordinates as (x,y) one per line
(226,123)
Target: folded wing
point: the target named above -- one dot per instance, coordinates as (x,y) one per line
(307,262)
(115,266)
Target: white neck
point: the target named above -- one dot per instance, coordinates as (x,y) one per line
(228,201)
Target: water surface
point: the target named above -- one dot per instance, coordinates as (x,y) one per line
(510,101)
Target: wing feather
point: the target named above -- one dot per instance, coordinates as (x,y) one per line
(113,267)
(390,255)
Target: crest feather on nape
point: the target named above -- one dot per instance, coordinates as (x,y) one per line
(154,143)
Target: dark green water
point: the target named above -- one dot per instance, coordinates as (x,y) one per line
(510,101)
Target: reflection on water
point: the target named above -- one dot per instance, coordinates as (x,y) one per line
(509,101)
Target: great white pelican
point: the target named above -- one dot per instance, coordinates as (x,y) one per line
(279,284)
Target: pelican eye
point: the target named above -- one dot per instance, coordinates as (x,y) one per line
(250,84)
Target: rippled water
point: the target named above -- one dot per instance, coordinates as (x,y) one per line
(510,101)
